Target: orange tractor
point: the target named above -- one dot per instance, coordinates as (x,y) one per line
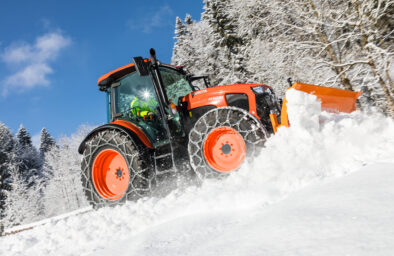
(162,125)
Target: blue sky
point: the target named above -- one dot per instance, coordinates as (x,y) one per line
(53,52)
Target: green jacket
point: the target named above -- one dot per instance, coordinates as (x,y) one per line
(142,108)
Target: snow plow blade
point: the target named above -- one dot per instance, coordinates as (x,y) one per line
(332,100)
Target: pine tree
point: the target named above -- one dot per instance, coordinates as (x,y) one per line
(180,28)
(188,20)
(229,65)
(47,142)
(180,31)
(6,148)
(24,139)
(222,25)
(27,157)
(184,50)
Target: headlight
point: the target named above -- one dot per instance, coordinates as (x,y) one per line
(261,89)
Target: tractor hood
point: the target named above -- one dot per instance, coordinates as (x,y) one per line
(216,96)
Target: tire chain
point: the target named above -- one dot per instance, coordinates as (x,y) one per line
(246,124)
(141,176)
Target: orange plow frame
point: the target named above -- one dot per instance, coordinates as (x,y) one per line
(332,100)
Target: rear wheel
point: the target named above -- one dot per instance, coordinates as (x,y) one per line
(113,170)
(222,140)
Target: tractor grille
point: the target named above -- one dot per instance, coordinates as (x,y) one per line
(262,105)
(265,102)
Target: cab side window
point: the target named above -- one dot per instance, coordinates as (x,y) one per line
(135,100)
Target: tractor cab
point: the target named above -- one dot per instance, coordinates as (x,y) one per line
(135,95)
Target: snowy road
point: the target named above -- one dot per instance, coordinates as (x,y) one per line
(321,187)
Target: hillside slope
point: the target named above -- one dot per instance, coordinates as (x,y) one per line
(352,215)
(303,195)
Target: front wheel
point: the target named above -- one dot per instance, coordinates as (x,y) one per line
(222,140)
(113,170)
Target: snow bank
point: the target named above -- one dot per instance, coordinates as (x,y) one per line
(317,146)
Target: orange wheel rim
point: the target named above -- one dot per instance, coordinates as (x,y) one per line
(110,174)
(224,149)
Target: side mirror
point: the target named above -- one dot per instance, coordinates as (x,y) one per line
(141,65)
(290,81)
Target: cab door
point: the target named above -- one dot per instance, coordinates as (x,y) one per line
(176,86)
(133,99)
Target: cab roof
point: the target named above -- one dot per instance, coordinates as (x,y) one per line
(106,80)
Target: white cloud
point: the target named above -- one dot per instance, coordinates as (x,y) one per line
(32,61)
(32,75)
(160,18)
(16,54)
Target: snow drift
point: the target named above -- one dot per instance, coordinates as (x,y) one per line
(317,146)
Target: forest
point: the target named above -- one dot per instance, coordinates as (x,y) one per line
(38,183)
(334,43)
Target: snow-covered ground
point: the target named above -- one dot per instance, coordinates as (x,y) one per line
(322,187)
(353,215)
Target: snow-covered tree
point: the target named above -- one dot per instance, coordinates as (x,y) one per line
(62,167)
(195,50)
(345,44)
(26,196)
(6,149)
(348,37)
(180,32)
(23,137)
(47,142)
(27,157)
(180,29)
(184,49)
(229,66)
(188,19)
(22,202)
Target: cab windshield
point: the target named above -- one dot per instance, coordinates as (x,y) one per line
(175,84)
(134,100)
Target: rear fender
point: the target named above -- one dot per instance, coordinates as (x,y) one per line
(130,129)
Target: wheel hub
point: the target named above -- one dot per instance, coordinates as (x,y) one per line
(224,149)
(119,173)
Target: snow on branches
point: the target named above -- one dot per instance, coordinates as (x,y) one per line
(345,44)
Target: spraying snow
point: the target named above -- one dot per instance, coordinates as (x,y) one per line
(316,146)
